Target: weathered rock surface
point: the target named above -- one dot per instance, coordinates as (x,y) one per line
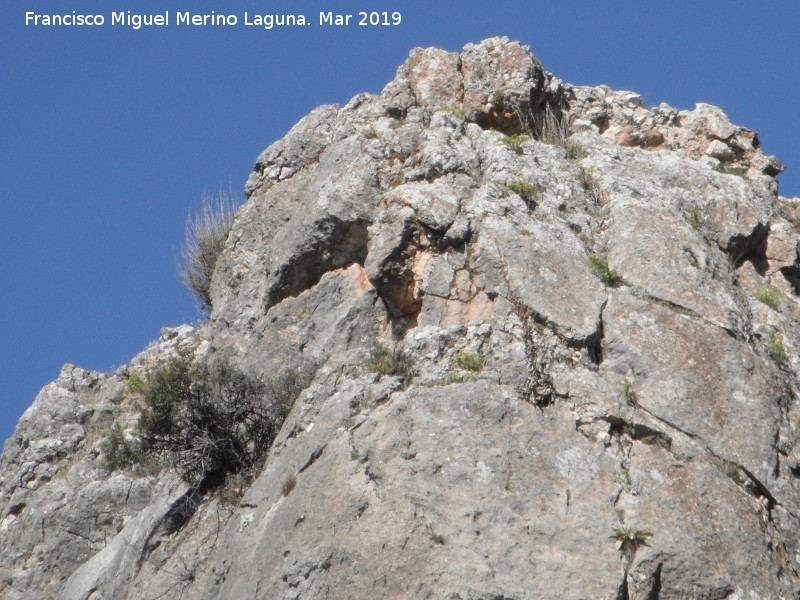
(423,220)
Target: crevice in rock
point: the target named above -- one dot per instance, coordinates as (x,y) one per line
(751,247)
(173,520)
(334,245)
(594,343)
(674,307)
(538,387)
(655,586)
(622,591)
(16,509)
(792,276)
(312,459)
(617,427)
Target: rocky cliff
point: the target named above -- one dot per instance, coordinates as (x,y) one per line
(554,343)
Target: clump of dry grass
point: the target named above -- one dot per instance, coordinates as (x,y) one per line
(206,233)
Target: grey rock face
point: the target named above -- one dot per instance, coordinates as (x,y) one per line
(602,333)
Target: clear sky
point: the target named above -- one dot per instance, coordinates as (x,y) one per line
(110,135)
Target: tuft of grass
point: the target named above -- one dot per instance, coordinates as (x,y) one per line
(589,182)
(454,376)
(776,347)
(205,237)
(550,126)
(370,133)
(463,367)
(730,170)
(631,396)
(609,276)
(525,190)
(459,113)
(289,484)
(629,539)
(468,361)
(732,471)
(769,295)
(515,141)
(694,217)
(384,361)
(574,151)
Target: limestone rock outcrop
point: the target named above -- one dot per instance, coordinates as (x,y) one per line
(596,307)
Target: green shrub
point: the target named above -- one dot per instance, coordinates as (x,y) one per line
(515,141)
(775,346)
(731,170)
(119,451)
(133,382)
(463,367)
(574,151)
(467,361)
(610,276)
(385,361)
(525,190)
(459,113)
(694,217)
(371,133)
(771,296)
(206,234)
(212,421)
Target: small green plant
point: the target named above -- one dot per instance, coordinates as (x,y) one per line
(624,478)
(574,151)
(206,234)
(769,295)
(463,367)
(467,361)
(629,539)
(732,471)
(631,396)
(133,382)
(731,170)
(119,451)
(370,133)
(384,361)
(694,217)
(609,276)
(459,113)
(589,182)
(585,176)
(525,190)
(473,238)
(289,484)
(515,141)
(454,376)
(775,346)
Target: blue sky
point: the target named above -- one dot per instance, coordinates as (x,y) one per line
(110,136)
